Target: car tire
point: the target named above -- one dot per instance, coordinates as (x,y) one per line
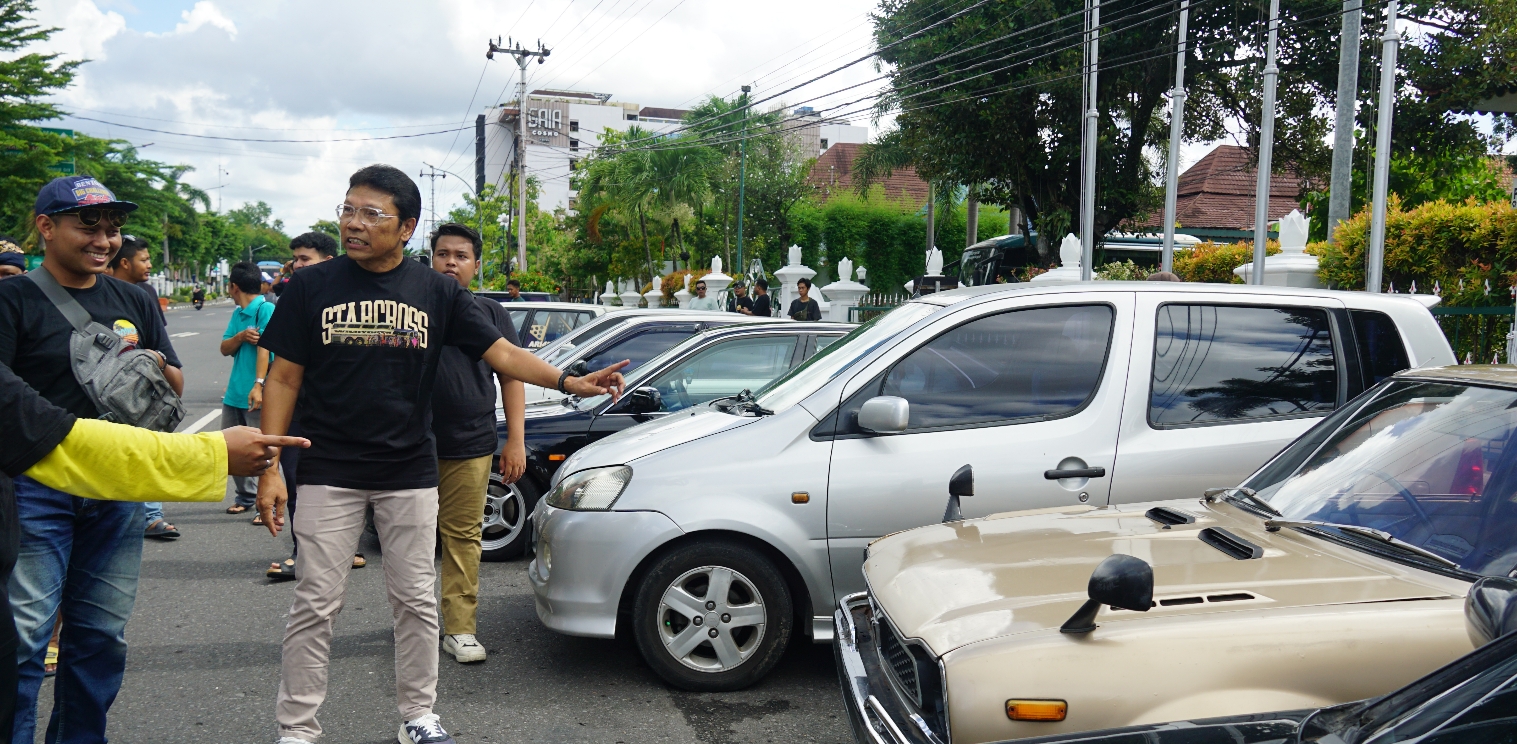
(505,529)
(675,614)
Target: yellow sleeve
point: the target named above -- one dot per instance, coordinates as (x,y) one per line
(115,462)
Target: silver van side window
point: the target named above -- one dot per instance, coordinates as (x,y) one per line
(1040,363)
(1219,363)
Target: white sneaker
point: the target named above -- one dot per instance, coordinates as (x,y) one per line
(425,730)
(291,740)
(464,647)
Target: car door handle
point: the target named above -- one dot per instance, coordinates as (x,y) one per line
(1075,473)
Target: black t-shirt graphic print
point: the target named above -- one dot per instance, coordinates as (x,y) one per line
(370,345)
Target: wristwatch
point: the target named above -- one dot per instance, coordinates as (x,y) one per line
(258,381)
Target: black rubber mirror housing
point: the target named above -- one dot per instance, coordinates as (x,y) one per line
(1121,581)
(1490,609)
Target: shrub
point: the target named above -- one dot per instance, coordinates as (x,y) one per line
(1214,262)
(531,281)
(1122,271)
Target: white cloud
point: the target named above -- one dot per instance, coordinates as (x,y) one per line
(283,69)
(205,13)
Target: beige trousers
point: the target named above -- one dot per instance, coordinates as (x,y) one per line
(330,524)
(460,514)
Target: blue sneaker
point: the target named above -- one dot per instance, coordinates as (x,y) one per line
(425,730)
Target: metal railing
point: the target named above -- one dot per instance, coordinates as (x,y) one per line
(1477,334)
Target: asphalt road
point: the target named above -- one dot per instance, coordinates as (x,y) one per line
(204,660)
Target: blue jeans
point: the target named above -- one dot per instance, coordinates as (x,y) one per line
(153,512)
(82,557)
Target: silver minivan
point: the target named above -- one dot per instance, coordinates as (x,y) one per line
(713,535)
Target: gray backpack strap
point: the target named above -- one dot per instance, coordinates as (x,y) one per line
(75,313)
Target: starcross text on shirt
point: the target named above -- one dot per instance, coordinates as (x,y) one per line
(374,323)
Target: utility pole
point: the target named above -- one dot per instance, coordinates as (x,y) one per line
(522,56)
(1374,263)
(1266,148)
(479,155)
(1340,197)
(432,173)
(165,243)
(1176,132)
(1088,142)
(971,218)
(220,171)
(742,172)
(931,223)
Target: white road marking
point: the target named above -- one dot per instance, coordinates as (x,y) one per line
(186,333)
(201,424)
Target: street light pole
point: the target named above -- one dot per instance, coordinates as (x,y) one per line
(1088,143)
(1374,262)
(1340,194)
(742,172)
(1266,148)
(1176,131)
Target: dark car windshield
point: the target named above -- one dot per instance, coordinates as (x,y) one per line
(1430,463)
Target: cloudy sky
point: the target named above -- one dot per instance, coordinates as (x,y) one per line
(359,71)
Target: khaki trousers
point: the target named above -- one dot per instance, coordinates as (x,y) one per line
(460,514)
(330,524)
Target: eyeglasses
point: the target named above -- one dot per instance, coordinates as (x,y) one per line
(369,216)
(91,216)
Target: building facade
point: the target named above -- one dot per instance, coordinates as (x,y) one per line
(810,134)
(563,128)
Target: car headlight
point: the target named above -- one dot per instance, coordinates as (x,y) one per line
(595,489)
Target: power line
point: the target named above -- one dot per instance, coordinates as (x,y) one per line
(254,139)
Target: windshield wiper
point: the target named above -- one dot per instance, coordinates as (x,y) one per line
(746,403)
(1380,536)
(1211,494)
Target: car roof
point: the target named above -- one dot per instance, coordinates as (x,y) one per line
(967,295)
(769,324)
(1504,375)
(687,316)
(568,306)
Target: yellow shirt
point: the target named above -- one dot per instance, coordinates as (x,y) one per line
(115,462)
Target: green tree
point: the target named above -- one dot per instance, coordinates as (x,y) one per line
(28,155)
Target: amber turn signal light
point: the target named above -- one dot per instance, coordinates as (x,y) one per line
(1046,711)
(557,458)
(800,497)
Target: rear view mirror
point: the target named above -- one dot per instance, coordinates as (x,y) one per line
(579,368)
(884,414)
(960,484)
(644,400)
(1121,581)
(1490,609)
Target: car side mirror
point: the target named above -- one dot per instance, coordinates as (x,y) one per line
(961,483)
(1490,609)
(1121,581)
(884,414)
(644,400)
(579,368)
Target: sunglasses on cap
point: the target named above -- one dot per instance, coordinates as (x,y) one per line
(91,216)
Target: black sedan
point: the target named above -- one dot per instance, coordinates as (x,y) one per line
(711,364)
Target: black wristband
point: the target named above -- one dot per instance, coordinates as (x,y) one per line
(561,378)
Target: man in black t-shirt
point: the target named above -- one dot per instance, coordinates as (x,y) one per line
(463,421)
(370,327)
(803,307)
(81,558)
(761,306)
(740,302)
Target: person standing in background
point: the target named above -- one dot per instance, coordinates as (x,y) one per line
(700,301)
(740,302)
(761,307)
(513,291)
(133,263)
(240,405)
(803,307)
(463,422)
(12,260)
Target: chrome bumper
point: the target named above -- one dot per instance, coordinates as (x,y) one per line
(876,714)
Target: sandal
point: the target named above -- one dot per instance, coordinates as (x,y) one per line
(282,571)
(258,520)
(162,530)
(238,509)
(359,561)
(50,662)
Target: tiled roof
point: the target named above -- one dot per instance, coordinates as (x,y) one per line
(653,112)
(1218,193)
(833,174)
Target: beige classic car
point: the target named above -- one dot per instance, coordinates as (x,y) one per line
(1337,572)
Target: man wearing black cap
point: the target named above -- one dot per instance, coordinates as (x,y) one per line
(80,557)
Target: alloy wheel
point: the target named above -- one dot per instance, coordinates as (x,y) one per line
(505,515)
(711,619)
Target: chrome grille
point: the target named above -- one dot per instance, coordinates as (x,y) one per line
(903,668)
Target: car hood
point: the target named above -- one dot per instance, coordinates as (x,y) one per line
(964,582)
(628,445)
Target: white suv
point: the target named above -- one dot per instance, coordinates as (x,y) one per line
(719,531)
